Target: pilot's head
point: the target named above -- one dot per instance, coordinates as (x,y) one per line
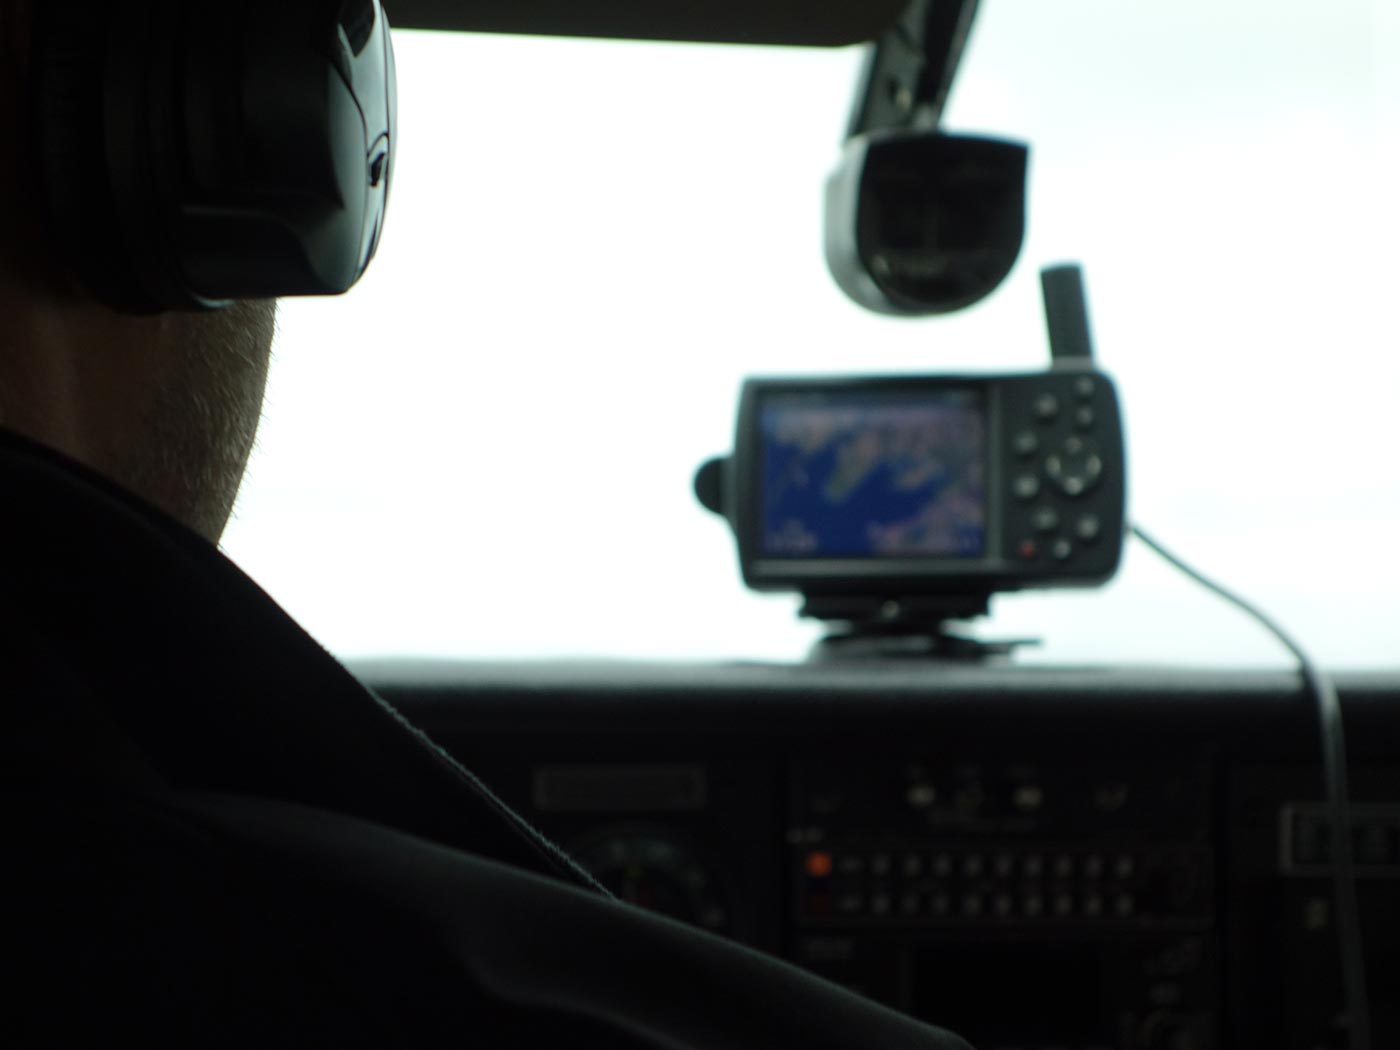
(166,405)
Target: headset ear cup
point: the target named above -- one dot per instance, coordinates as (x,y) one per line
(195,153)
(68,81)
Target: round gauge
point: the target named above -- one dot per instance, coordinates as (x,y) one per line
(655,872)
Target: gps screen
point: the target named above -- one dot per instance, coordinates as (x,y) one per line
(899,474)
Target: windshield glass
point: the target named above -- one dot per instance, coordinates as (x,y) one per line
(487,449)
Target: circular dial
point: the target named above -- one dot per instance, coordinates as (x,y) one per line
(653,871)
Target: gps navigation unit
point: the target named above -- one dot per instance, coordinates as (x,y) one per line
(895,488)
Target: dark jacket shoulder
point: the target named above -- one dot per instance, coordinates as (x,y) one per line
(218,837)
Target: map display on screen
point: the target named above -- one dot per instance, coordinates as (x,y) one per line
(874,475)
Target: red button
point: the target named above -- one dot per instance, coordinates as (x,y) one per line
(819,864)
(1029,550)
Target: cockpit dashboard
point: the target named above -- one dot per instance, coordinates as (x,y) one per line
(1037,858)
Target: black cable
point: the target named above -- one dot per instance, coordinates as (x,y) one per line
(1334,764)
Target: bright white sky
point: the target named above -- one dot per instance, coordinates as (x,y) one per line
(486,450)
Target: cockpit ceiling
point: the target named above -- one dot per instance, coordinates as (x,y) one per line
(813,23)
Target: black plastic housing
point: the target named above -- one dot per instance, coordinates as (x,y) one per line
(191,154)
(1046,433)
(920,223)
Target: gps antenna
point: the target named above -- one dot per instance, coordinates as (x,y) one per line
(1067,315)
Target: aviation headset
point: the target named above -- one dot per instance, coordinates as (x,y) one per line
(196,152)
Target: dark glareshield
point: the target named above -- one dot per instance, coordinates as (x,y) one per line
(921,223)
(812,23)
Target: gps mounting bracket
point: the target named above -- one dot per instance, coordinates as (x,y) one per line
(920,626)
